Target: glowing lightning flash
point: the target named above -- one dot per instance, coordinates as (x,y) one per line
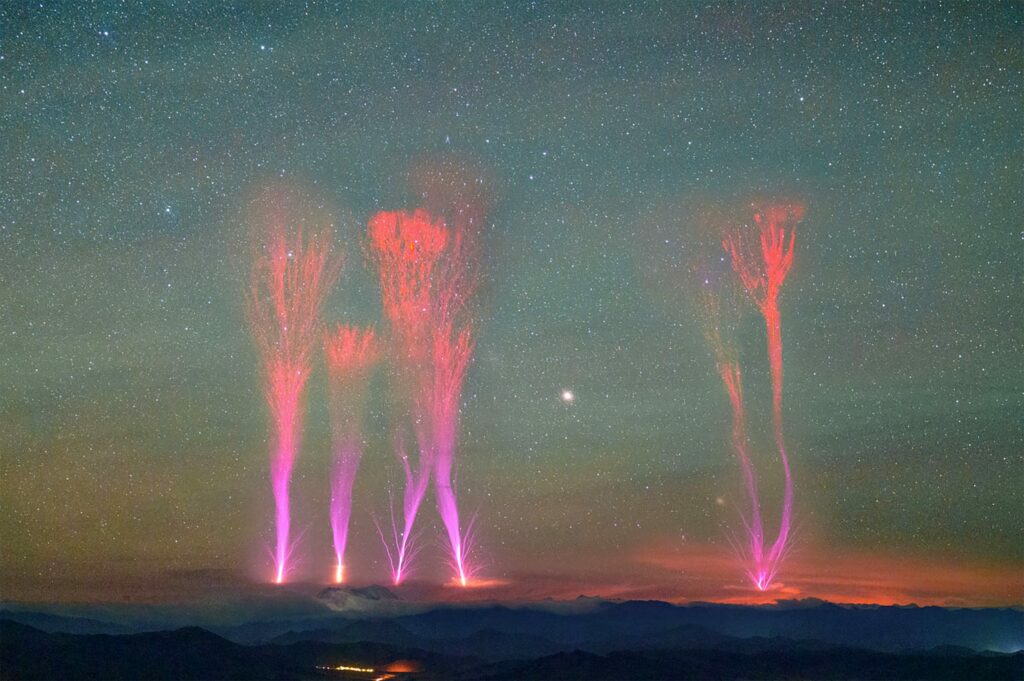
(762,272)
(351,354)
(427,279)
(407,247)
(292,273)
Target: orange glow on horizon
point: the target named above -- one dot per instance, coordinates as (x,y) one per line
(850,577)
(663,569)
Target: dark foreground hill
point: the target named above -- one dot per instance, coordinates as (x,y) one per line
(193,653)
(781,664)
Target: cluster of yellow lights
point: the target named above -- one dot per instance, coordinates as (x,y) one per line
(347,668)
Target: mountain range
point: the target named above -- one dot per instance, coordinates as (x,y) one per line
(585,639)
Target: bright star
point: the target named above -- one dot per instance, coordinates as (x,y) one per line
(567,396)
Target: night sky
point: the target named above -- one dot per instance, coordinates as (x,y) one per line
(133,432)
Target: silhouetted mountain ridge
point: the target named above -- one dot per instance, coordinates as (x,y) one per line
(838,664)
(187,653)
(61,623)
(686,651)
(588,639)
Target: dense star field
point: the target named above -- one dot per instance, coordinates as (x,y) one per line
(606,144)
